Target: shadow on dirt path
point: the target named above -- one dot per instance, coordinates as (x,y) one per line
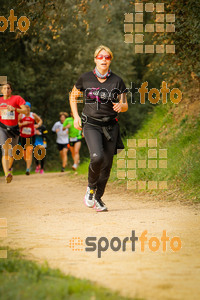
(45,212)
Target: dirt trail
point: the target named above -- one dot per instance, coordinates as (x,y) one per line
(45,212)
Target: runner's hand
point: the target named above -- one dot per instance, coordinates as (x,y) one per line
(10,108)
(77,123)
(37,132)
(117,107)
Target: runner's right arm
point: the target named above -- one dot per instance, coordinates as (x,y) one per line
(55,128)
(74,95)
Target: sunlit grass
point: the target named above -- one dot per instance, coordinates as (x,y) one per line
(181,139)
(25,280)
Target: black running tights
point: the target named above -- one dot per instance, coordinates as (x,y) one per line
(101,156)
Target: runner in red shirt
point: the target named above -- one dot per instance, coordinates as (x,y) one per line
(10,107)
(27,133)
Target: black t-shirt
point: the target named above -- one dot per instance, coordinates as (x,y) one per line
(99,97)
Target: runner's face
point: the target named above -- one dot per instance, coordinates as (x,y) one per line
(102,64)
(62,118)
(6,90)
(28,109)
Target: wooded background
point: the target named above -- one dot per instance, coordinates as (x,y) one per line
(44,63)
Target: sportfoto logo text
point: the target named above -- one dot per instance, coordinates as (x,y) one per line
(116,244)
(23,22)
(154,95)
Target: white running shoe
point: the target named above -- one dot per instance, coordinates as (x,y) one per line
(74,167)
(99,205)
(89,197)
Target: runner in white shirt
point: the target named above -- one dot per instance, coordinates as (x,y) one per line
(62,138)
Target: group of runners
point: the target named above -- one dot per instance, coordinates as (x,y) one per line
(68,138)
(19,126)
(105,98)
(25,128)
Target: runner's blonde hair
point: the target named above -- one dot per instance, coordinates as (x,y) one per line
(102,47)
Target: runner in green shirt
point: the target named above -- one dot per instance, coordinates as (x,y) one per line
(75,137)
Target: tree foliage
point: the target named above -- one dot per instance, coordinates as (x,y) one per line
(45,62)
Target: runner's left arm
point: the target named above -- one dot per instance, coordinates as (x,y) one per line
(38,121)
(21,110)
(122,105)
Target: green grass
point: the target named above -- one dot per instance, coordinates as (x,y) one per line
(23,279)
(181,138)
(82,169)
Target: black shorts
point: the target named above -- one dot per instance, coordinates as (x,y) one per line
(62,146)
(4,135)
(74,142)
(23,141)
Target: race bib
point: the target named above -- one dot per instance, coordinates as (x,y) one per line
(26,130)
(7,115)
(73,139)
